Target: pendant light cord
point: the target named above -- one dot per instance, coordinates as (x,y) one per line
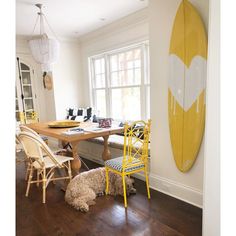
(50,27)
(42,29)
(35,26)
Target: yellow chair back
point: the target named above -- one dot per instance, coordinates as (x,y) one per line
(136,139)
(28,117)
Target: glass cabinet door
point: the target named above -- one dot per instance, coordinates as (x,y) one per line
(27,96)
(17,106)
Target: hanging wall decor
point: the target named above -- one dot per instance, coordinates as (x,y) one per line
(47,81)
(186,85)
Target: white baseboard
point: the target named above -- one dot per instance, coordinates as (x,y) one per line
(176,190)
(173,189)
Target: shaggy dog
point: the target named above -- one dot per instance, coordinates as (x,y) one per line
(83,188)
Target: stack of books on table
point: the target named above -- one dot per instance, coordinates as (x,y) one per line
(74,131)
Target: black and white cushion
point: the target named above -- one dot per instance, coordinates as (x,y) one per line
(79,114)
(88,113)
(117,163)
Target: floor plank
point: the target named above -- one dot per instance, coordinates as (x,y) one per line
(162,215)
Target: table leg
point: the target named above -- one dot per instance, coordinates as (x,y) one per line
(106,155)
(76,163)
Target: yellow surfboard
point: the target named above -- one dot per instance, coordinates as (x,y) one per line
(186,85)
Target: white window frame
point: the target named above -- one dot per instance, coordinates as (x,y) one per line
(145,80)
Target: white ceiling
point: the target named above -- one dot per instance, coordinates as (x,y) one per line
(73,18)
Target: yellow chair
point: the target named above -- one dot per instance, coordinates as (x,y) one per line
(45,165)
(135,157)
(22,117)
(31,117)
(28,117)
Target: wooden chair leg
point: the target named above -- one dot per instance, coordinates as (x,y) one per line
(44,186)
(147,183)
(37,178)
(27,171)
(29,182)
(69,170)
(124,190)
(107,181)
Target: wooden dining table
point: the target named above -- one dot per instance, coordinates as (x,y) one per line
(58,133)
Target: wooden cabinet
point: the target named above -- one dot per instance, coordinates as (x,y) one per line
(25,96)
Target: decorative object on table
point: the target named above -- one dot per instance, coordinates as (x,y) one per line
(96,118)
(47,81)
(45,166)
(187,83)
(83,188)
(105,123)
(79,114)
(63,124)
(45,50)
(134,159)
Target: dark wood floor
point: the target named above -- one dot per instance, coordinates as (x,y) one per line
(162,215)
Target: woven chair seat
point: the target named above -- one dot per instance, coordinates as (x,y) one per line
(116,164)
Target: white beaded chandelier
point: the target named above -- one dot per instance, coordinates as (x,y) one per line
(44,50)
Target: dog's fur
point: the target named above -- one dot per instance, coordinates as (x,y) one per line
(83,188)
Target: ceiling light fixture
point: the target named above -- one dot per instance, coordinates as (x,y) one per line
(44,50)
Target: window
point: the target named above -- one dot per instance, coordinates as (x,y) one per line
(120,83)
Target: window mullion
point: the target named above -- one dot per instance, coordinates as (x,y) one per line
(107,85)
(126,86)
(143,97)
(92,83)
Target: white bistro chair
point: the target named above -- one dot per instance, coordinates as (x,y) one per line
(24,128)
(43,160)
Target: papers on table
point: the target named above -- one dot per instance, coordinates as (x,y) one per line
(73,131)
(93,129)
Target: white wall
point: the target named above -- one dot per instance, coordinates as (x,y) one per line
(211,203)
(68,83)
(164,174)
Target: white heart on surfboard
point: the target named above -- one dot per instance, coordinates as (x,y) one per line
(186,84)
